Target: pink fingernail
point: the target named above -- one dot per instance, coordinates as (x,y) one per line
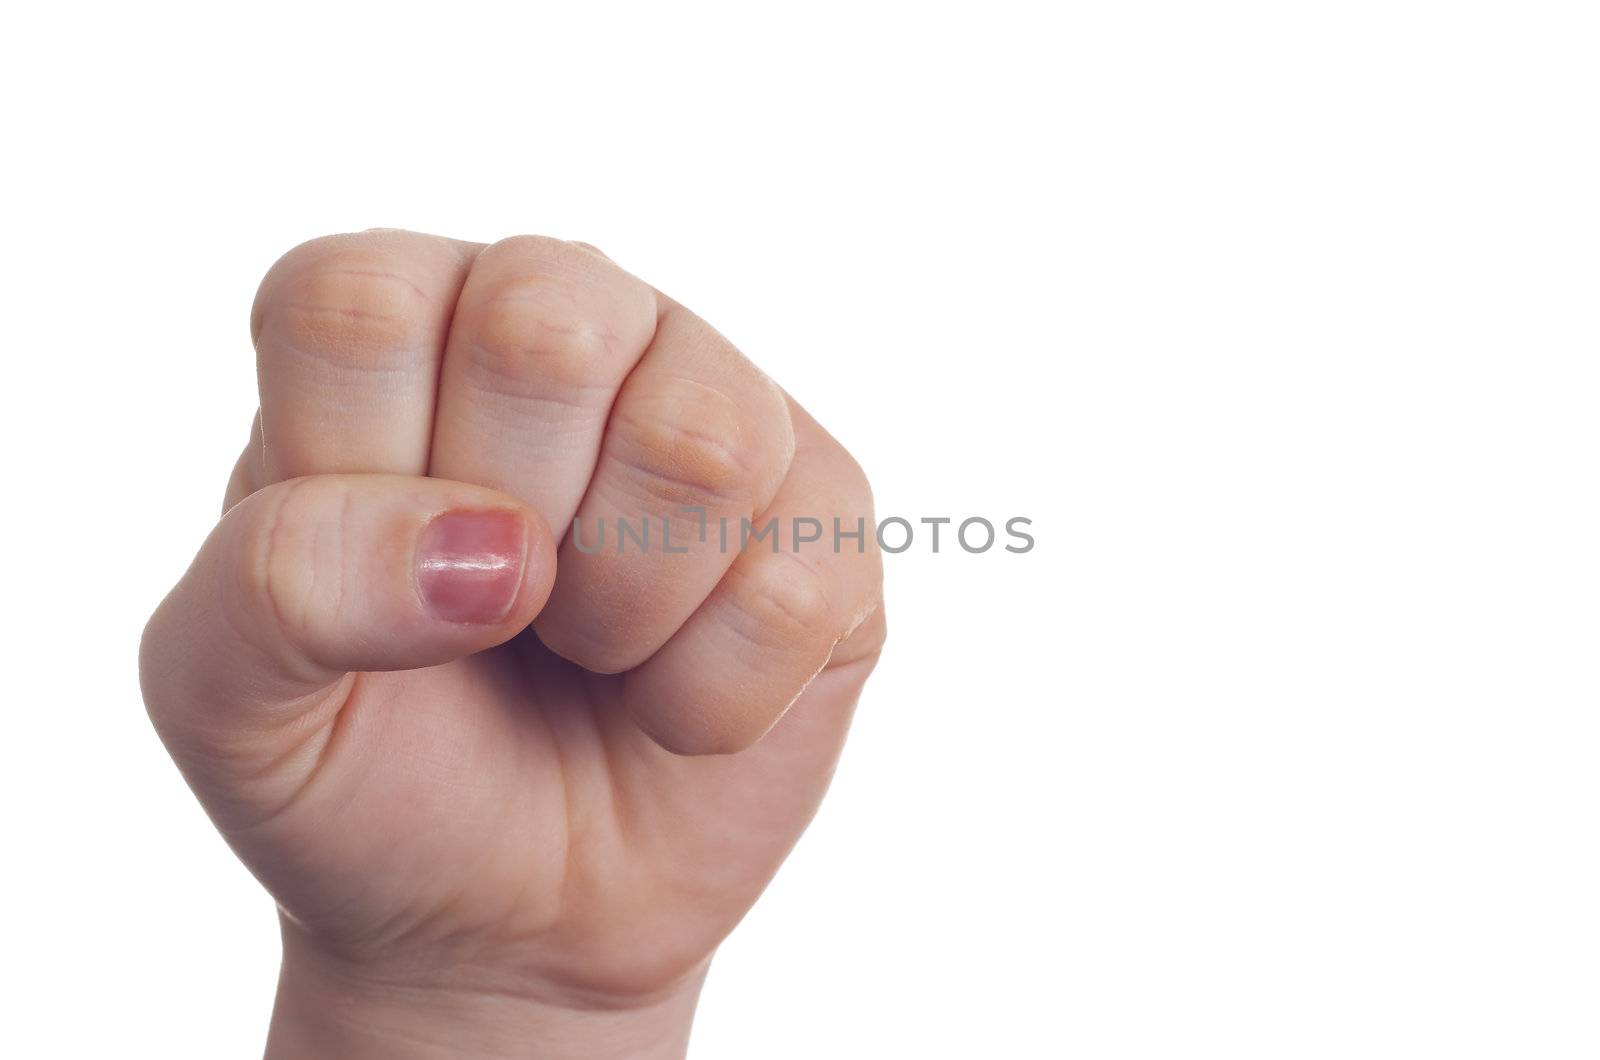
(469,565)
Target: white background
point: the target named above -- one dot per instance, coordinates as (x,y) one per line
(1279,319)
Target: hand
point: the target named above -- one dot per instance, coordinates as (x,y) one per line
(487,837)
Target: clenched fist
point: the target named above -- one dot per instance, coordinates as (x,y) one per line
(482,673)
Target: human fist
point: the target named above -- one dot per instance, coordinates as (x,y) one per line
(512,669)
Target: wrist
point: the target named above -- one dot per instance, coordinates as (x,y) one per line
(328,1008)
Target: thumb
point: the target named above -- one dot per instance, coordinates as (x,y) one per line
(306,581)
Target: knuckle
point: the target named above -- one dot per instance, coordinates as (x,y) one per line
(785,602)
(345,300)
(686,444)
(533,331)
(285,562)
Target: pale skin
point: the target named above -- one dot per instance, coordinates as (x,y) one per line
(509,795)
